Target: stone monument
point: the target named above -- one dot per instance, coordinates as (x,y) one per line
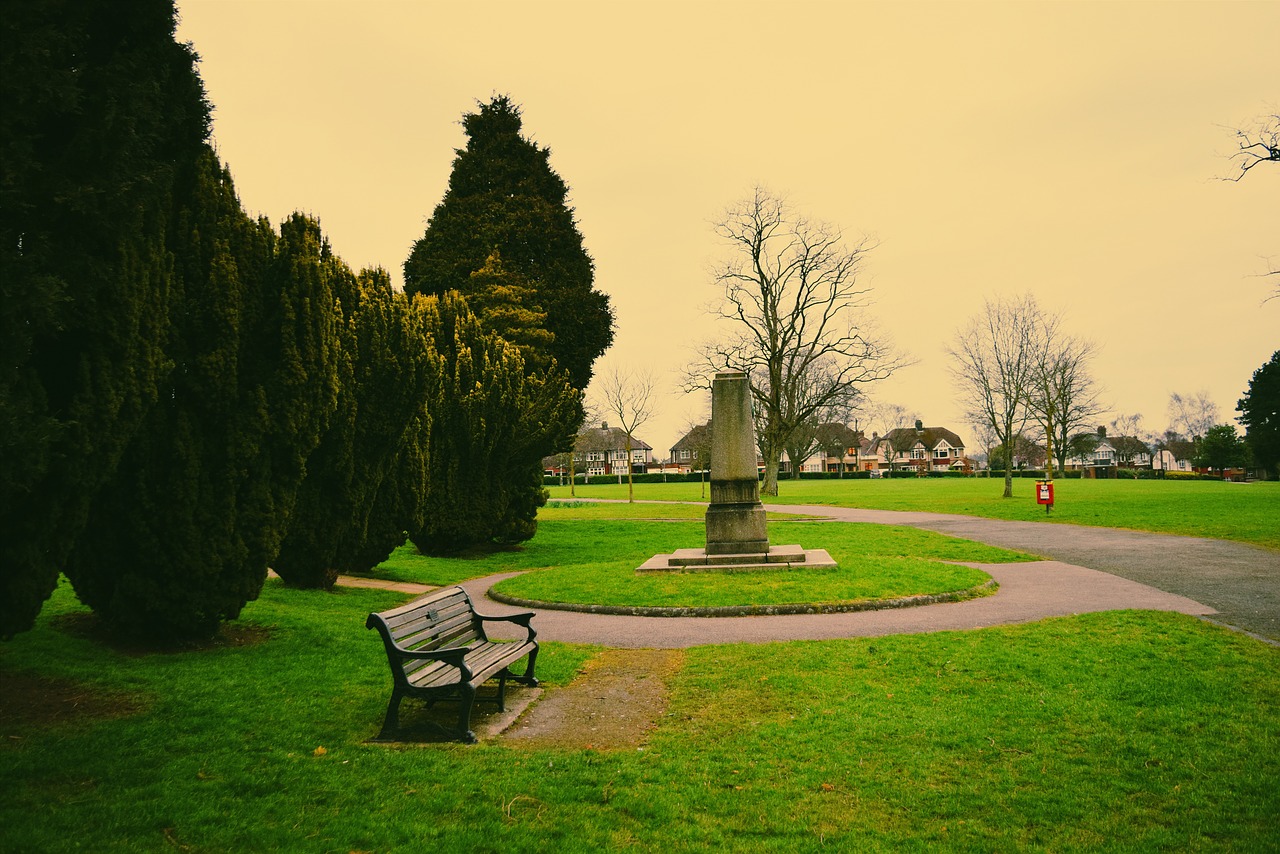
(737,539)
(735,519)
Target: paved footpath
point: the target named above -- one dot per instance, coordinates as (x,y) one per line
(1240,582)
(1231,583)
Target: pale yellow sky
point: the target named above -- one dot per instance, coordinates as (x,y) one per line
(1069,149)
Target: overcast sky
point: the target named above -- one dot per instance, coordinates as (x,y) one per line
(1073,150)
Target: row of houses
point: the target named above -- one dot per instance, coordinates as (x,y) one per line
(606,450)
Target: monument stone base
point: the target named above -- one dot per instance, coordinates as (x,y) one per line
(736,529)
(776,558)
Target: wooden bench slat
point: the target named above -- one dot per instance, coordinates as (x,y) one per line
(412,622)
(408,623)
(432,599)
(454,633)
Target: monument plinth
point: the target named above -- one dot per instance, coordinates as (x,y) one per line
(735,519)
(737,539)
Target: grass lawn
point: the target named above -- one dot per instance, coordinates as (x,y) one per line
(588,553)
(1246,512)
(1123,730)
(875,562)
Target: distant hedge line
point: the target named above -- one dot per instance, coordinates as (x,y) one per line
(695,477)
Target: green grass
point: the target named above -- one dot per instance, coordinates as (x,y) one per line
(583,556)
(874,562)
(1228,511)
(1129,730)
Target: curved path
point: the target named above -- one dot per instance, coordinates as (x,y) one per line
(1236,584)
(1028,591)
(1240,582)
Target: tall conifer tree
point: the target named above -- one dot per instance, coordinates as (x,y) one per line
(100,109)
(182,536)
(503,195)
(387,368)
(489,417)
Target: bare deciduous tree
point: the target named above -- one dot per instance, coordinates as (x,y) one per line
(628,395)
(994,358)
(1259,143)
(984,438)
(1192,415)
(792,293)
(569,459)
(889,417)
(1063,396)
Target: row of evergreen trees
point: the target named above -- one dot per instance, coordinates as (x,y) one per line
(189,396)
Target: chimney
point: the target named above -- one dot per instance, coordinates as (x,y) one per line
(919,426)
(604,425)
(1102,432)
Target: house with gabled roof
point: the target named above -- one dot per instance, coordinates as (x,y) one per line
(692,451)
(603,450)
(927,448)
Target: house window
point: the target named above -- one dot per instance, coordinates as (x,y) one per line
(917,454)
(940,453)
(595,456)
(684,454)
(637,456)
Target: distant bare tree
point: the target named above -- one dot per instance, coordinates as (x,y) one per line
(993,360)
(569,459)
(628,396)
(792,292)
(889,417)
(1063,397)
(1128,425)
(1192,415)
(985,438)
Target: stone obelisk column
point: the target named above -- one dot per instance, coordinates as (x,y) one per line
(735,518)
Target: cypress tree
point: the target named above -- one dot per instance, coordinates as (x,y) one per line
(506,303)
(503,195)
(181,538)
(387,367)
(489,418)
(100,110)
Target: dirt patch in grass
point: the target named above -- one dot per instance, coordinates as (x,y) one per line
(30,701)
(87,625)
(613,703)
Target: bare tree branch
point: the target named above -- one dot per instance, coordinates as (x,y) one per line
(994,359)
(791,290)
(1257,144)
(628,395)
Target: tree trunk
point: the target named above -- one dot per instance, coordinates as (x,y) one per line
(770,486)
(1008,470)
(631,490)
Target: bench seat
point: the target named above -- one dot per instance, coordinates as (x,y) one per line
(437,649)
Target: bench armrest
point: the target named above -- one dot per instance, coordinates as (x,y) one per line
(521,619)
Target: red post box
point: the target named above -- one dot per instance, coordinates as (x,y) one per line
(1044,494)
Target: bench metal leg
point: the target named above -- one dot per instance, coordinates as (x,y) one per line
(391,723)
(467,700)
(528,678)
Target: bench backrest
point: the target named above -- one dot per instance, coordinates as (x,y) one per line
(441,619)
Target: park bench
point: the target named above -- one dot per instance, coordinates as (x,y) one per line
(438,649)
